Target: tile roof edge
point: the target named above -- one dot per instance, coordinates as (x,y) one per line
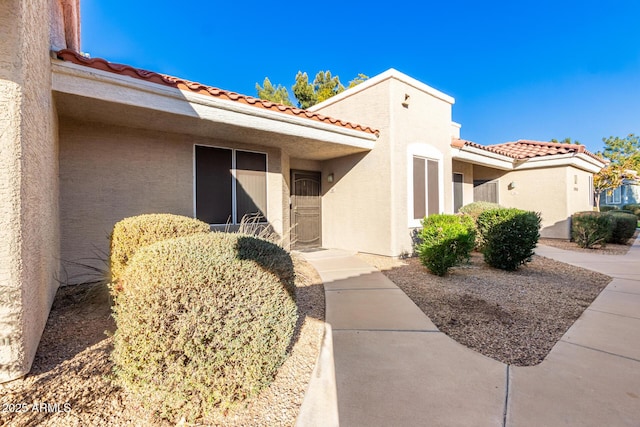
(72,56)
(577,148)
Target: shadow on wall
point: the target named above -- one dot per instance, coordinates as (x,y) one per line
(559,230)
(339,168)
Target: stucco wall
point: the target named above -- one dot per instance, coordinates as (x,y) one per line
(550,191)
(29,240)
(357,207)
(108,173)
(366,208)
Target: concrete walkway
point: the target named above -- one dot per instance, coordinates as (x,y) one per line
(384,363)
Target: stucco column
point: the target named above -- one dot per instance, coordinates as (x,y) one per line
(29,242)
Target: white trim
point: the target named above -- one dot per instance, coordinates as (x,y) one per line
(427,152)
(389,74)
(579,161)
(482,157)
(234,182)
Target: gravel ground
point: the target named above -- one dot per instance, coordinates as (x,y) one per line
(72,366)
(609,249)
(513,317)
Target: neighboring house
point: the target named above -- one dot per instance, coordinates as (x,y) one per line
(627,194)
(85,143)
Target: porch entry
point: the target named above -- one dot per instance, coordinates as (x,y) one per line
(306,218)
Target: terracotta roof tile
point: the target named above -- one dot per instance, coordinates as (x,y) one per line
(163,79)
(526,149)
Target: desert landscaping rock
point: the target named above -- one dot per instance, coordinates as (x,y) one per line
(513,317)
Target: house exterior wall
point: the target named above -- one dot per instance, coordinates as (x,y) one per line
(555,192)
(29,239)
(108,173)
(366,208)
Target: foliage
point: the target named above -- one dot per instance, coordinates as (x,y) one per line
(624,226)
(278,94)
(203,322)
(607,179)
(634,207)
(357,80)
(510,236)
(566,141)
(130,234)
(623,152)
(474,210)
(306,93)
(446,240)
(590,228)
(606,208)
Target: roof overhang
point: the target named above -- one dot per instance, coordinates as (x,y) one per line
(98,96)
(482,157)
(578,160)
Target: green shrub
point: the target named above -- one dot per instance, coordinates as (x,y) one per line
(624,226)
(446,240)
(607,208)
(203,322)
(634,207)
(591,228)
(132,233)
(510,237)
(474,210)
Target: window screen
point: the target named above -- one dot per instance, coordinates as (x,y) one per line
(419,187)
(457,191)
(251,184)
(434,189)
(213,185)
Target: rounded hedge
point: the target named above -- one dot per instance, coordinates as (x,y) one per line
(474,210)
(510,237)
(203,322)
(590,228)
(446,240)
(132,233)
(624,226)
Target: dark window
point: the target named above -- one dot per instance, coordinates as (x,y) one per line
(457,191)
(251,184)
(419,199)
(213,185)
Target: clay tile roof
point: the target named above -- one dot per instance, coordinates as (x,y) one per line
(459,143)
(526,149)
(163,79)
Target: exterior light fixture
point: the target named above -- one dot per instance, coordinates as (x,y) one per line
(330,177)
(512,185)
(405,104)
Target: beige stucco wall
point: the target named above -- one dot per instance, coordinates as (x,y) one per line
(550,191)
(357,206)
(366,208)
(108,173)
(29,240)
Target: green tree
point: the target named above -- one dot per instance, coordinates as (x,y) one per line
(307,93)
(278,94)
(623,152)
(566,141)
(304,91)
(326,86)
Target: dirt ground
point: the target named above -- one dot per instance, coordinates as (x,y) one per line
(514,317)
(72,368)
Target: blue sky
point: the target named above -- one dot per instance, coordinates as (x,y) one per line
(517,69)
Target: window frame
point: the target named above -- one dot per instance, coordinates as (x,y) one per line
(453,190)
(234,183)
(428,153)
